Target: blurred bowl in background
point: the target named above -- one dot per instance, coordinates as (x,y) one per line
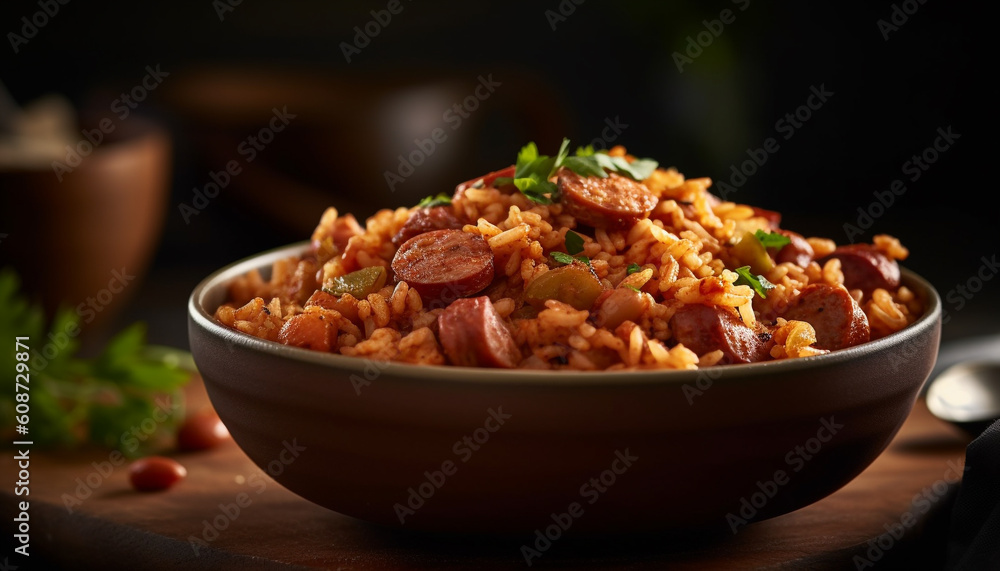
(349,131)
(86,240)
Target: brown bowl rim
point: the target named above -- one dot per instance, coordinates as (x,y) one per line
(448,374)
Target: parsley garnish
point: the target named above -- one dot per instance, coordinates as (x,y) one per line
(563,258)
(633,268)
(100,400)
(772,239)
(758,282)
(533,171)
(441,199)
(574,245)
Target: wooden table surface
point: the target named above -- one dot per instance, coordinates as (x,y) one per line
(893,515)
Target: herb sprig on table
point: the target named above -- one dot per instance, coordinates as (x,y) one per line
(128,397)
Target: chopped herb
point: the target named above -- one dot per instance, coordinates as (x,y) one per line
(532,171)
(758,282)
(633,288)
(99,400)
(563,258)
(772,239)
(441,199)
(574,243)
(633,268)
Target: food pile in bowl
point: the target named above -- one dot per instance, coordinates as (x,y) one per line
(578,261)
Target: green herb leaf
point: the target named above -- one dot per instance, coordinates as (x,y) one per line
(101,400)
(441,199)
(633,288)
(585,166)
(632,268)
(563,258)
(758,282)
(772,239)
(574,243)
(561,155)
(535,189)
(640,169)
(532,170)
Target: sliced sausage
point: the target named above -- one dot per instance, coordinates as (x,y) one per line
(487,180)
(445,264)
(798,251)
(866,268)
(773,217)
(426,220)
(473,335)
(703,328)
(612,202)
(838,320)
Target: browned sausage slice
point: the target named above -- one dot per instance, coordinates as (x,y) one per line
(473,335)
(445,264)
(426,220)
(612,202)
(773,217)
(798,251)
(866,268)
(838,320)
(487,180)
(703,328)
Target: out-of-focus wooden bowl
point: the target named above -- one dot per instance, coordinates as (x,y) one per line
(85,241)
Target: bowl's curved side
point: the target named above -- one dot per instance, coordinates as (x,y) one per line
(425,448)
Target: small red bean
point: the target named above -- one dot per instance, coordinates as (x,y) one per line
(201,431)
(154,473)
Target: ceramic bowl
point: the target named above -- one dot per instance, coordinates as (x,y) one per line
(483,450)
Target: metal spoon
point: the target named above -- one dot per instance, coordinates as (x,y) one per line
(967,395)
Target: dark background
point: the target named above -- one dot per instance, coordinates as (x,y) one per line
(605,62)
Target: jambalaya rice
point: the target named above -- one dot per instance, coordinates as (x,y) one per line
(666,277)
